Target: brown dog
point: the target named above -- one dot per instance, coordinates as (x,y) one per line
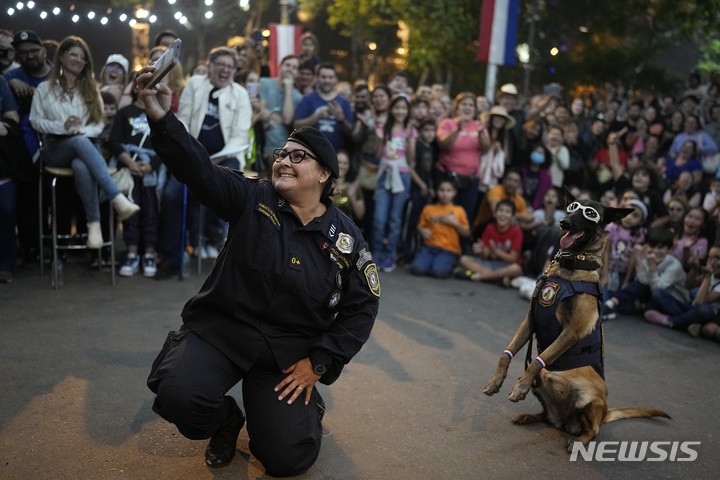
(564,316)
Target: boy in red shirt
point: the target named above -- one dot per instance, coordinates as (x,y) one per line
(498,252)
(441,226)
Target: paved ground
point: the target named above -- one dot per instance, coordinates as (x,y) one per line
(74,403)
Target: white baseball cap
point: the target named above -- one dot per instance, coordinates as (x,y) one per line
(120,60)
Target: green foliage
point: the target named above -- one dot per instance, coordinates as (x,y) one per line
(620,39)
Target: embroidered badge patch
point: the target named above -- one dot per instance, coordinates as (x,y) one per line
(363,257)
(339,279)
(548,293)
(345,242)
(269,213)
(373,279)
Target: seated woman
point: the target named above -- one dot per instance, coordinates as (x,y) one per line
(684,188)
(687,159)
(67,109)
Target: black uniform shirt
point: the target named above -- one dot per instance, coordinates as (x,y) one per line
(301,289)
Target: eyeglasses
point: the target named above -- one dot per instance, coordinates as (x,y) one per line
(588,212)
(114,67)
(296,156)
(28,52)
(5,52)
(223,66)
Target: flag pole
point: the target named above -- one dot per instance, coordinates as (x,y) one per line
(490,81)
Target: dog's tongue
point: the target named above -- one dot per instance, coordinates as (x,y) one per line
(568,239)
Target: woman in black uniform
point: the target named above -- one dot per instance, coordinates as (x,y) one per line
(290,300)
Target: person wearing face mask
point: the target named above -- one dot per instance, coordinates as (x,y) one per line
(291,299)
(536,178)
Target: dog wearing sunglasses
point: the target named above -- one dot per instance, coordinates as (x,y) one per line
(567,376)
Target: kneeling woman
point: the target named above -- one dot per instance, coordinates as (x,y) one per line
(290,300)
(67,109)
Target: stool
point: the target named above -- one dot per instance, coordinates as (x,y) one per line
(54,174)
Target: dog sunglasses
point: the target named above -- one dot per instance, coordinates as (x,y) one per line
(588,212)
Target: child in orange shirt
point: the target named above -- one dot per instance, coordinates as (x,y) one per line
(441,226)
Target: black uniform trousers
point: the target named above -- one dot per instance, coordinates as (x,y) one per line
(191,377)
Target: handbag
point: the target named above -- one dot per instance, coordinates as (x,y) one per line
(123,178)
(124,181)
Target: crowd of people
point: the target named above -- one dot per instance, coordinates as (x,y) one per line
(443,184)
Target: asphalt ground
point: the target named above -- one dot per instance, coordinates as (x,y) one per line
(74,404)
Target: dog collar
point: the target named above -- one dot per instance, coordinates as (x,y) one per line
(578,261)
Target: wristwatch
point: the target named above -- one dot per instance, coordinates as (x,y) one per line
(318,367)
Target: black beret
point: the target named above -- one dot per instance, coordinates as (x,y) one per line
(313,139)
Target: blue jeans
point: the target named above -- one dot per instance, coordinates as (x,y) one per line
(701,313)
(433,261)
(417,203)
(8,240)
(89,168)
(389,209)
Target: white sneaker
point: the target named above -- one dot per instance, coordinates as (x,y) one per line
(149,265)
(130,266)
(94,238)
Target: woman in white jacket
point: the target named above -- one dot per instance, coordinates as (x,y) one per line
(67,110)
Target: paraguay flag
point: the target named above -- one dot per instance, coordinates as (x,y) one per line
(284,40)
(498,31)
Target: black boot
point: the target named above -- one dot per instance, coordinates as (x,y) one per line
(222,447)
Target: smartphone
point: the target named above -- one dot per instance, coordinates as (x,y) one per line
(252,89)
(165,63)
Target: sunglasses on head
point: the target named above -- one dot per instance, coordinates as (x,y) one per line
(588,212)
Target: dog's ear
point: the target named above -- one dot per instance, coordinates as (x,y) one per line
(569,197)
(615,214)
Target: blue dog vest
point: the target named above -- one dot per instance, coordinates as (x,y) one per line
(545,325)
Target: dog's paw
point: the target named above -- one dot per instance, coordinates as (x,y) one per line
(519,392)
(493,386)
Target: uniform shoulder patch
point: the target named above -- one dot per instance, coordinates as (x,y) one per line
(373,279)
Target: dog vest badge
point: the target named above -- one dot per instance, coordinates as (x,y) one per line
(345,243)
(548,293)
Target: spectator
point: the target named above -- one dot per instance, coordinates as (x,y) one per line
(507,97)
(325,110)
(441,226)
(692,240)
(498,253)
(217,112)
(67,108)
(305,80)
(7,52)
(711,201)
(309,49)
(703,310)
(421,192)
(536,179)
(347,196)
(34,69)
(462,141)
(114,75)
(130,145)
(12,154)
(684,188)
(659,281)
(165,38)
(281,98)
(493,160)
(396,151)
(677,207)
(692,131)
(399,84)
(508,189)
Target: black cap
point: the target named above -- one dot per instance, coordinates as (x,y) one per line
(313,139)
(26,36)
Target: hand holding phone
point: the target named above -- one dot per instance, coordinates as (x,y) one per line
(165,63)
